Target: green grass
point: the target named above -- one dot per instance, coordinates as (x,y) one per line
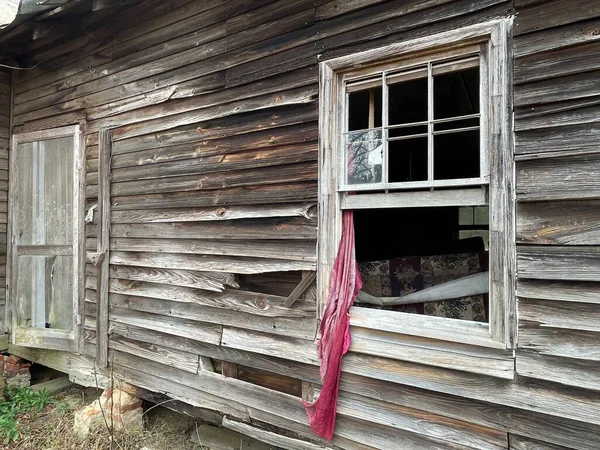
(15,404)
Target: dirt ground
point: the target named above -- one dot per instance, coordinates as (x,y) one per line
(51,429)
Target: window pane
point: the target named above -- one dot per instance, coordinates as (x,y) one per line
(408,160)
(364,156)
(364,109)
(456,155)
(45,292)
(45,192)
(456,93)
(408,101)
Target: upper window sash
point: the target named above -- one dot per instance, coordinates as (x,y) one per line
(364,154)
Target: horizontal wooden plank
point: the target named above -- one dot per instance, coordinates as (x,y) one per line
(565,291)
(566,371)
(306,210)
(557,89)
(553,38)
(450,355)
(167,356)
(556,139)
(189,329)
(550,14)
(247,195)
(303,328)
(571,112)
(210,281)
(559,223)
(208,263)
(561,315)
(581,263)
(559,62)
(269,344)
(567,178)
(294,250)
(566,343)
(278,229)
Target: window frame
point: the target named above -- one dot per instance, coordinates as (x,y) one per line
(501,331)
(48,338)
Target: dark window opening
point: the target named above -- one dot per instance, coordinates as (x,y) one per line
(405,250)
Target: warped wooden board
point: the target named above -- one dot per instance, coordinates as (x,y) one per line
(237,300)
(167,356)
(211,281)
(302,328)
(209,263)
(205,332)
(566,113)
(270,344)
(572,138)
(271,364)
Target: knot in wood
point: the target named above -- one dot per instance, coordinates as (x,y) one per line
(262,303)
(221,212)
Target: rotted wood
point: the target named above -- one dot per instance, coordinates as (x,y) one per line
(300,289)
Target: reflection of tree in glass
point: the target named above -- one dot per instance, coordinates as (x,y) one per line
(364,157)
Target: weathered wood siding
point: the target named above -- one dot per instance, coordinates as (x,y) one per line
(5,85)
(557,113)
(213,111)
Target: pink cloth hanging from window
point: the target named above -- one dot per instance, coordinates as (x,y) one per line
(335,331)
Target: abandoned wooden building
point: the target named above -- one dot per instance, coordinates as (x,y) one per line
(176,178)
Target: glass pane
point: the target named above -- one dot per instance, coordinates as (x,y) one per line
(45,192)
(45,292)
(482,215)
(456,155)
(364,153)
(364,109)
(408,160)
(456,93)
(408,101)
(465,215)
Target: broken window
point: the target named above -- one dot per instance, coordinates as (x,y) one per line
(46,237)
(420,161)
